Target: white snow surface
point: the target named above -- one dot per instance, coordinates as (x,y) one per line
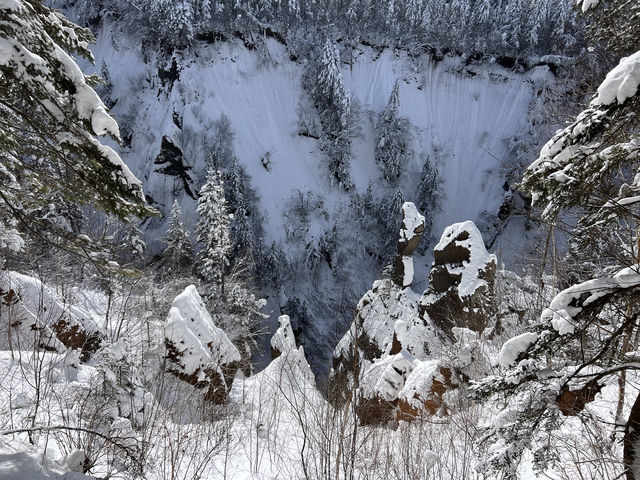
(407,263)
(621,82)
(513,347)
(478,258)
(191,330)
(26,463)
(587,4)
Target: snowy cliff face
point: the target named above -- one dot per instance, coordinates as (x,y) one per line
(463,118)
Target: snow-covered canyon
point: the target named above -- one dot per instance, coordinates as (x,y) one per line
(472,120)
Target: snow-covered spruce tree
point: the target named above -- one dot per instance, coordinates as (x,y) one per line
(221,154)
(428,197)
(246,228)
(392,139)
(176,23)
(178,254)
(51,118)
(587,338)
(324,80)
(212,231)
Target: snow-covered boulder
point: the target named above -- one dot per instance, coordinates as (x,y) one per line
(409,239)
(461,280)
(401,387)
(197,351)
(31,311)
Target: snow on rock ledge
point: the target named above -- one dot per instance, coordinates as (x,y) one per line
(199,352)
(461,280)
(409,239)
(283,348)
(30,306)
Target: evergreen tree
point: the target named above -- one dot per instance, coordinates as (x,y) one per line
(538,13)
(512,26)
(178,254)
(587,337)
(51,118)
(334,108)
(221,155)
(392,139)
(212,231)
(428,197)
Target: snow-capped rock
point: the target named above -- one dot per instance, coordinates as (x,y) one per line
(409,239)
(461,281)
(198,352)
(35,312)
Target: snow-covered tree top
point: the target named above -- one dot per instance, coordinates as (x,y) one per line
(191,330)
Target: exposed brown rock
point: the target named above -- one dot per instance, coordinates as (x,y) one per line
(443,302)
(408,241)
(217,385)
(377,411)
(572,402)
(77,338)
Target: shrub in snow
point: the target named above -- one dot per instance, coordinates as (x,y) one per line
(198,352)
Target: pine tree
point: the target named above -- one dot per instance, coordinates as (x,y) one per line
(393,139)
(334,108)
(48,135)
(178,254)
(512,26)
(587,338)
(221,155)
(538,13)
(212,231)
(428,197)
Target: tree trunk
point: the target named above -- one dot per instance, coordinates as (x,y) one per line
(632,441)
